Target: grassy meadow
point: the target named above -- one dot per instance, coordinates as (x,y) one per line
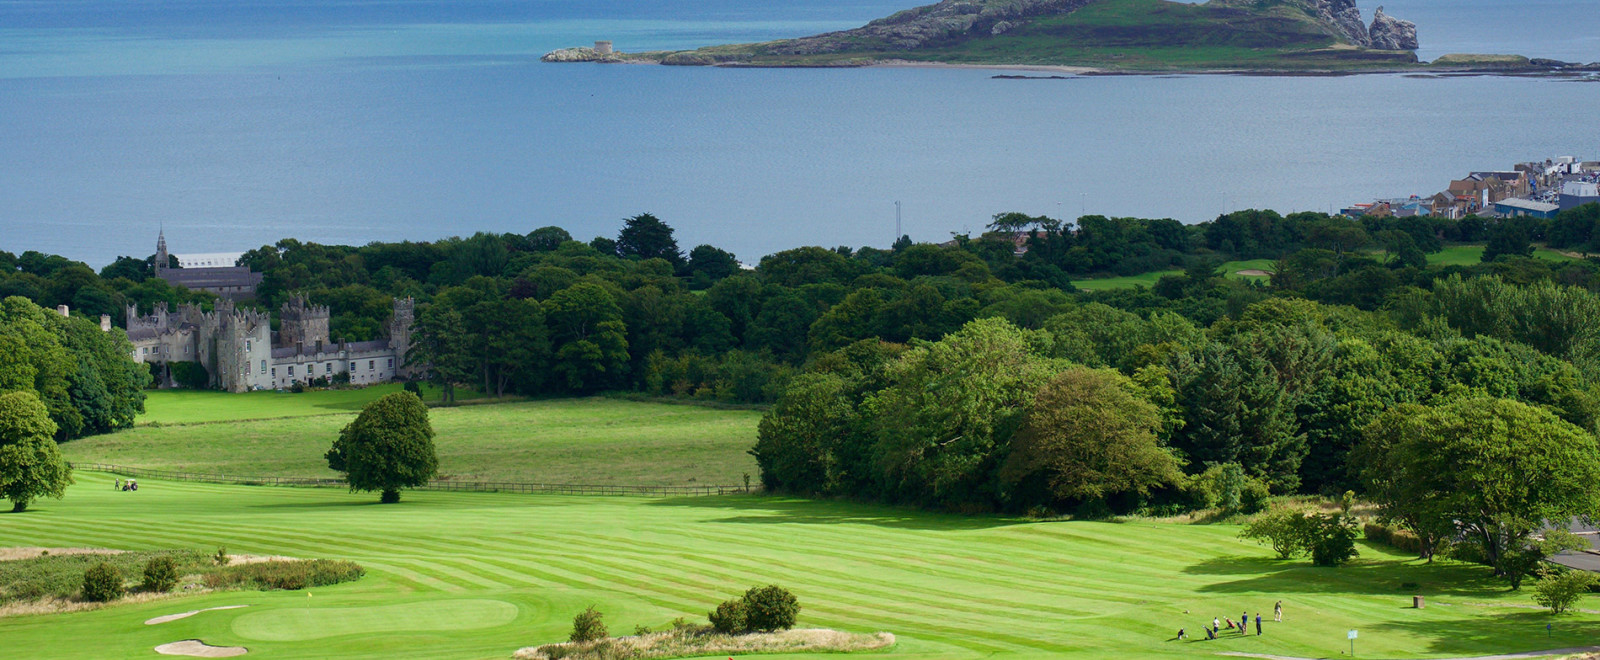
(1147,280)
(1469,255)
(478,575)
(574,441)
(164,407)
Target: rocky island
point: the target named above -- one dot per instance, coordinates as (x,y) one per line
(1115,36)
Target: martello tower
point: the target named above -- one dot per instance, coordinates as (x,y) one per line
(303,327)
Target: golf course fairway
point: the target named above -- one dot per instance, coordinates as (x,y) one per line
(479,575)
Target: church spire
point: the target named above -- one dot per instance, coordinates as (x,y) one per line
(161,259)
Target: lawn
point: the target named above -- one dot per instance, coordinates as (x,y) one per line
(1147,280)
(1472,255)
(197,406)
(568,441)
(478,575)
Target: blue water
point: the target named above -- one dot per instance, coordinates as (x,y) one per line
(235,124)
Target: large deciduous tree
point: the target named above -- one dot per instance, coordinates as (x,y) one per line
(389,446)
(1087,436)
(1493,471)
(944,424)
(30,465)
(590,337)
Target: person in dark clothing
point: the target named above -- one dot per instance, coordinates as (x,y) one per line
(1258,623)
(1180,634)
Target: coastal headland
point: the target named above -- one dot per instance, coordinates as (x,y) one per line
(1086,37)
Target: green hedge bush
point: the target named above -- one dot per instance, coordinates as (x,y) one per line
(160,575)
(102,583)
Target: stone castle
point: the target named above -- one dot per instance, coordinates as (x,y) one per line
(241,352)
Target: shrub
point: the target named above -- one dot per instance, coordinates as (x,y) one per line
(102,583)
(770,608)
(221,558)
(1377,533)
(642,630)
(587,626)
(160,575)
(729,617)
(1561,590)
(1332,539)
(1286,530)
(286,575)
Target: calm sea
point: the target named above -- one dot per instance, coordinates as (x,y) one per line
(234,124)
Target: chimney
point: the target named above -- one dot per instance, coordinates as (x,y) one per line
(62,310)
(105,323)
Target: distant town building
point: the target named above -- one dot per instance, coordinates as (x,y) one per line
(241,353)
(205,274)
(1578,193)
(1517,207)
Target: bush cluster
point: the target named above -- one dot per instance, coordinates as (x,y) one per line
(1398,539)
(286,575)
(1330,539)
(762,609)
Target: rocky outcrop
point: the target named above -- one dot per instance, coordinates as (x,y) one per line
(578,55)
(946,21)
(1390,33)
(1344,16)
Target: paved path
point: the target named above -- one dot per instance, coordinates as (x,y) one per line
(1506,656)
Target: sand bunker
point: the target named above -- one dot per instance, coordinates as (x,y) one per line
(8,554)
(198,649)
(185,615)
(1254,272)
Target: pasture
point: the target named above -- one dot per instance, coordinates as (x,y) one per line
(571,441)
(1229,269)
(164,407)
(478,575)
(1470,255)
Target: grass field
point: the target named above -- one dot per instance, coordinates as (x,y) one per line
(570,441)
(1147,280)
(196,406)
(1471,255)
(478,575)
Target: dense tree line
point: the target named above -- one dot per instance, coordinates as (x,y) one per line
(85,378)
(542,313)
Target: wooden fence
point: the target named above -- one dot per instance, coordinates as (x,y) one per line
(438,484)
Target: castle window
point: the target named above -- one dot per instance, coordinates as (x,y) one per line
(264,366)
(247,367)
(371,364)
(247,346)
(391,363)
(352,366)
(291,370)
(327,368)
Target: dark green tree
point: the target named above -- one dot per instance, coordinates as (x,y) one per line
(645,236)
(31,467)
(1492,470)
(589,336)
(388,447)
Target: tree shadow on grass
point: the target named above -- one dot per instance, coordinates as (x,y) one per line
(767,510)
(1376,577)
(1491,633)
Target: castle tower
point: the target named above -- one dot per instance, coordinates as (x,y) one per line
(400,331)
(303,327)
(161,258)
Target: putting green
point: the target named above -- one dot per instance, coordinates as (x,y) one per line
(297,624)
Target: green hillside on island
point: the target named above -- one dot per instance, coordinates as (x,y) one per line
(1123,35)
